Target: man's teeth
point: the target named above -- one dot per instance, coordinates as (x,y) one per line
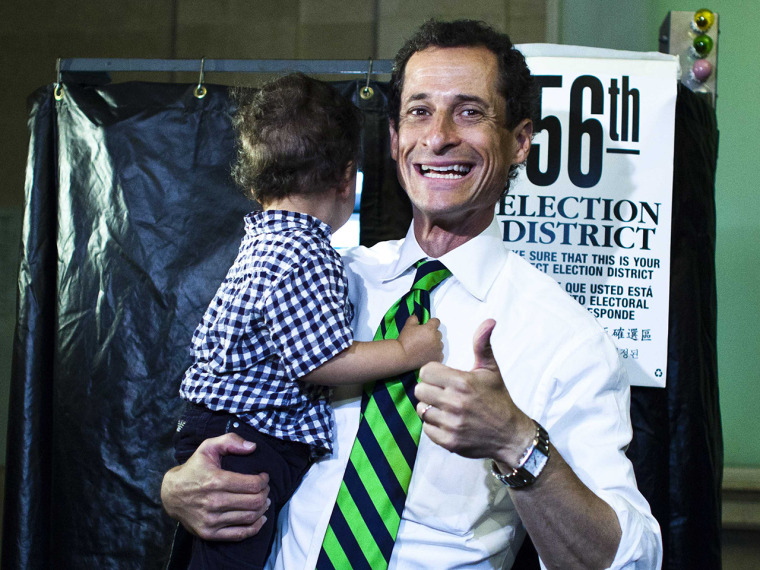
(450,172)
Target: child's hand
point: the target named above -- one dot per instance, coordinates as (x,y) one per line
(421,343)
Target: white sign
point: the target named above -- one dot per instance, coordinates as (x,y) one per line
(593,206)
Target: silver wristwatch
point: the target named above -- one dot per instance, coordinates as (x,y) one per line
(531,463)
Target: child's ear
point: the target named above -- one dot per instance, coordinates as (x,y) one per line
(348,179)
(350,171)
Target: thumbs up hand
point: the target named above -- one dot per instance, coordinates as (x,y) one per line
(471,412)
(481,346)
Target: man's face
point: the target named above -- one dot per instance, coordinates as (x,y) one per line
(452,148)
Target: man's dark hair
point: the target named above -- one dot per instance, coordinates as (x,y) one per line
(295,135)
(515,80)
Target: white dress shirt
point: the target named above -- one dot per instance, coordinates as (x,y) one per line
(561,370)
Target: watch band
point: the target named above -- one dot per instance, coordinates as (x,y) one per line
(531,464)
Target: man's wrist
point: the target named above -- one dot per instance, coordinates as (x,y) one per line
(519,433)
(530,465)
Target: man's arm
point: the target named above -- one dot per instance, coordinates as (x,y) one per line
(474,415)
(212,503)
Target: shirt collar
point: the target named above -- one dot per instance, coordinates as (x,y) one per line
(475,264)
(281,220)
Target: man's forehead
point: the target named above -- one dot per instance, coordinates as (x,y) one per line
(459,72)
(436,57)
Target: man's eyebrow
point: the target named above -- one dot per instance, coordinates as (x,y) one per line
(460,98)
(464,98)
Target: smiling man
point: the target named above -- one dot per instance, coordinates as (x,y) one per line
(526,420)
(452,144)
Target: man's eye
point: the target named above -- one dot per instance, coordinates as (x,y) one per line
(471,113)
(417,112)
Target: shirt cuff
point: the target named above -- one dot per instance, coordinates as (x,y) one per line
(641,541)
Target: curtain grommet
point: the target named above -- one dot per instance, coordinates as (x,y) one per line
(200,91)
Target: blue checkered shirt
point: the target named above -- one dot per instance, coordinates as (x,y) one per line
(282,311)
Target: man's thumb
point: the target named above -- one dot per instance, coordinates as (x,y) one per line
(228,444)
(481,345)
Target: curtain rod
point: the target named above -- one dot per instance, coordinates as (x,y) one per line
(331,66)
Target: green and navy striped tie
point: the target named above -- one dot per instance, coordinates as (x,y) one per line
(367,513)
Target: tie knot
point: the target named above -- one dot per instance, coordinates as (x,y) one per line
(430,273)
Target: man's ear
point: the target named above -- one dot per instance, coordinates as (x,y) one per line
(394,140)
(523,134)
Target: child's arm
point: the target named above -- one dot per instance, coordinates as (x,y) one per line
(363,361)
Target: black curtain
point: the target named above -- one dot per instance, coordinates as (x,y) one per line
(132,221)
(677,447)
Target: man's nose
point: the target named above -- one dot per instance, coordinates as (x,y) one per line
(442,133)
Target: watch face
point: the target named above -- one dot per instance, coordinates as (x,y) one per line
(535,463)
